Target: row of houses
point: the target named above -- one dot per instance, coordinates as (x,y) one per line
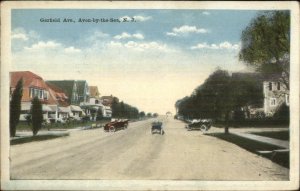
(61,99)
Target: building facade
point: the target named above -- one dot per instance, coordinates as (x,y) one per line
(275,95)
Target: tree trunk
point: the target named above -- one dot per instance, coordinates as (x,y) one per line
(226,123)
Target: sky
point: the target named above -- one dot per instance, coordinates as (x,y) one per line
(152,60)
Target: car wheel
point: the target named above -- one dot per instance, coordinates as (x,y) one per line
(112,129)
(203,128)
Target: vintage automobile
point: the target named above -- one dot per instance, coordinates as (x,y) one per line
(200,124)
(156,127)
(116,125)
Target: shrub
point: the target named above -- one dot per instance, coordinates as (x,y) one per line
(15,107)
(37,115)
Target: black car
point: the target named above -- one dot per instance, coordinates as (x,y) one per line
(200,124)
(156,127)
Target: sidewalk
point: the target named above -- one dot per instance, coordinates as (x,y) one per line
(271,141)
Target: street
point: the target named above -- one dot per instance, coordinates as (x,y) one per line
(135,153)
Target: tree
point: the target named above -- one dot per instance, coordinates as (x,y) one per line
(37,115)
(266,44)
(149,114)
(15,107)
(142,114)
(99,114)
(220,96)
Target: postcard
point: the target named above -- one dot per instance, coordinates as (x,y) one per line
(144,95)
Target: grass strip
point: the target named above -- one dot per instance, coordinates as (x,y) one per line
(282,135)
(36,138)
(254,146)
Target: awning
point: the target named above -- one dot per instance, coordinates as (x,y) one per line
(53,107)
(64,109)
(46,108)
(25,106)
(76,108)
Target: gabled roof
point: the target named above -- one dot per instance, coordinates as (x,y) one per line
(58,94)
(81,86)
(65,85)
(29,79)
(94,92)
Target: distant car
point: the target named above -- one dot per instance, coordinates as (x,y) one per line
(199,124)
(116,125)
(156,127)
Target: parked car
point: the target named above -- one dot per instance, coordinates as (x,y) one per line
(199,124)
(116,125)
(156,127)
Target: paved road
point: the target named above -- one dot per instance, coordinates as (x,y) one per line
(135,153)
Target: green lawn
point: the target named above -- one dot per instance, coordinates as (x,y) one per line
(254,146)
(36,138)
(23,126)
(282,135)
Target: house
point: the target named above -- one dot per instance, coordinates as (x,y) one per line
(83,91)
(76,92)
(61,110)
(91,108)
(69,87)
(275,95)
(33,86)
(108,100)
(94,95)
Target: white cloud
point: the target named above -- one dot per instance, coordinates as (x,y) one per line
(222,46)
(71,49)
(186,29)
(140,46)
(20,36)
(125,35)
(43,45)
(171,34)
(138,36)
(189,29)
(206,13)
(141,18)
(138,18)
(96,35)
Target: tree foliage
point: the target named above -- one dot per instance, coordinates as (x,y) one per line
(266,44)
(124,110)
(15,107)
(220,94)
(142,114)
(37,115)
(99,115)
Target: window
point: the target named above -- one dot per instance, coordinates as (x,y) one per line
(30,92)
(45,95)
(270,86)
(278,85)
(40,94)
(273,102)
